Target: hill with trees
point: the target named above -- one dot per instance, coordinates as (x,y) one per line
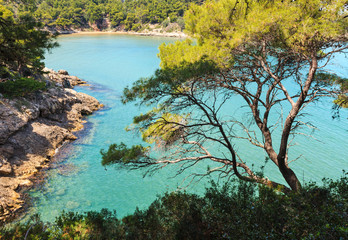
(129,15)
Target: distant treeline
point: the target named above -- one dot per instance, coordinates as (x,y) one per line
(127,15)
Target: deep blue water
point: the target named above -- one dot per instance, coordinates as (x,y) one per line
(109,63)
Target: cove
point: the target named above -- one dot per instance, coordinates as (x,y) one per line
(78,182)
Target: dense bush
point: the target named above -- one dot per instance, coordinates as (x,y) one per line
(233,211)
(20,87)
(23,43)
(23,46)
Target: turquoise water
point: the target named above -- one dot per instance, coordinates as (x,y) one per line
(78,182)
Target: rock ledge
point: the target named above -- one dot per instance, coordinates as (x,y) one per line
(32,128)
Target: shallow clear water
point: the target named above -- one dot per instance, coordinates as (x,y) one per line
(78,182)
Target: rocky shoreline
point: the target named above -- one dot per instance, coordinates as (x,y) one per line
(31,129)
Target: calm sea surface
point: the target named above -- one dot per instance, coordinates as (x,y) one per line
(78,182)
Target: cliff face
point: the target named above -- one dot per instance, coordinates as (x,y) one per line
(31,129)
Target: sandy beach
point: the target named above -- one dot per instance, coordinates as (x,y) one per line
(149,33)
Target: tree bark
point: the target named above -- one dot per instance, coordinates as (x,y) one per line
(290,177)
(287,173)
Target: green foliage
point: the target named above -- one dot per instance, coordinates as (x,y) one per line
(160,130)
(118,153)
(181,23)
(133,14)
(20,87)
(165,23)
(95,13)
(342,101)
(238,210)
(92,225)
(221,26)
(251,50)
(34,229)
(328,79)
(62,22)
(23,44)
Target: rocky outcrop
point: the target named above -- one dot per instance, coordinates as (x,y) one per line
(31,129)
(62,77)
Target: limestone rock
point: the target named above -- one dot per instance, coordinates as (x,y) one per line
(5,169)
(59,77)
(63,72)
(66,83)
(25,183)
(31,129)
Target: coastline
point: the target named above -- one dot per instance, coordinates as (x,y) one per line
(153,34)
(32,129)
(39,125)
(175,34)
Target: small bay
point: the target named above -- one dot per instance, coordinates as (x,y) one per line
(109,62)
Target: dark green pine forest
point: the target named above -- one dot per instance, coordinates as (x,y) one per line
(126,15)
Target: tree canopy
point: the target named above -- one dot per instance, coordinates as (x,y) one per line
(270,54)
(22,42)
(131,14)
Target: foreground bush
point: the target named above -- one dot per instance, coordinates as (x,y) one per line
(234,211)
(20,87)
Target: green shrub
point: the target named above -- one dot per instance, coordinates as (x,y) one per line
(165,23)
(20,87)
(34,228)
(233,211)
(181,23)
(136,27)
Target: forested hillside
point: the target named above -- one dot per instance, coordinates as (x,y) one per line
(117,14)
(22,47)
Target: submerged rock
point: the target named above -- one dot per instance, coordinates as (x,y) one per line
(67,169)
(72,205)
(60,192)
